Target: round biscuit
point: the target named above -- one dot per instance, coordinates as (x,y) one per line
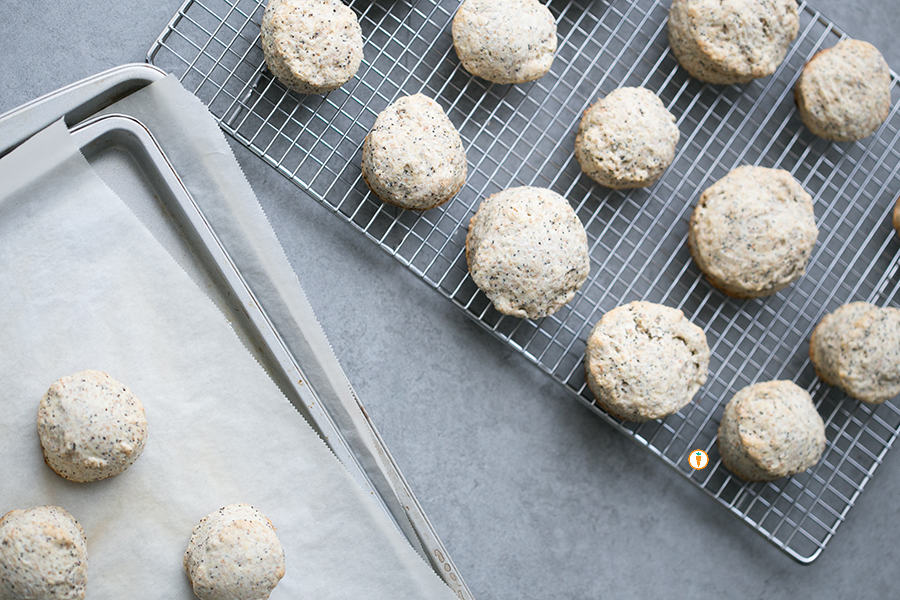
(770,430)
(843,93)
(645,361)
(732,41)
(505,41)
(311,46)
(627,139)
(753,231)
(527,251)
(414,157)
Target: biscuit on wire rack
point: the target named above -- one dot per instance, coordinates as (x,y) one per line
(311,46)
(413,157)
(770,430)
(732,41)
(626,139)
(645,361)
(895,220)
(844,92)
(527,251)
(505,41)
(753,231)
(857,348)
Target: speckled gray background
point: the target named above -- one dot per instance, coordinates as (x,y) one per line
(534,496)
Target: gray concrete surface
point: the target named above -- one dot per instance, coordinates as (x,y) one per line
(533,495)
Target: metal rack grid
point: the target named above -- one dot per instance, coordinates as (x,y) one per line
(524,135)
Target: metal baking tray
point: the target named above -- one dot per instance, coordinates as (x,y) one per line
(109,141)
(524,135)
(74,102)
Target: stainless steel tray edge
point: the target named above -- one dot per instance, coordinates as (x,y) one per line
(74,102)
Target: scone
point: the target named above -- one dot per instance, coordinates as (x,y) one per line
(645,361)
(857,348)
(413,157)
(627,139)
(752,232)
(844,92)
(732,41)
(234,553)
(311,46)
(505,41)
(527,251)
(91,427)
(770,430)
(43,555)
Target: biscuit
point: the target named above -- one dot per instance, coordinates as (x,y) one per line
(844,92)
(311,46)
(527,251)
(91,427)
(732,41)
(43,555)
(857,348)
(413,157)
(234,553)
(627,139)
(752,232)
(505,41)
(770,430)
(645,361)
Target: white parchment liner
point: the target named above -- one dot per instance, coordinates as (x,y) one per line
(85,285)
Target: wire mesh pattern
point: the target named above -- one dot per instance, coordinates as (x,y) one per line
(524,135)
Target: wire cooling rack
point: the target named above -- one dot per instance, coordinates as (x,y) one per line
(524,135)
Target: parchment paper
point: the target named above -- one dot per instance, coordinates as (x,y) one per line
(85,285)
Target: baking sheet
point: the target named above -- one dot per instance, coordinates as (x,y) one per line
(87,286)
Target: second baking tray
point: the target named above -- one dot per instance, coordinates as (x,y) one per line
(524,135)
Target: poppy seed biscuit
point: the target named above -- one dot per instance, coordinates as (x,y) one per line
(505,41)
(91,427)
(43,554)
(234,553)
(414,157)
(857,348)
(627,139)
(752,232)
(732,41)
(770,430)
(311,46)
(844,92)
(527,251)
(645,361)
